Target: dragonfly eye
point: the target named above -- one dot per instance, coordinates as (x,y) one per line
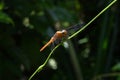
(64,32)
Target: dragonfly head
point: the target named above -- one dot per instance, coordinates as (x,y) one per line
(64,32)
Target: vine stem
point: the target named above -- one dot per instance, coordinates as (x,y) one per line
(92,20)
(41,66)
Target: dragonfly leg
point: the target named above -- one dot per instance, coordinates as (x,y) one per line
(55,43)
(58,41)
(52,46)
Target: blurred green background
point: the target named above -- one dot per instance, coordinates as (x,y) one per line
(26,25)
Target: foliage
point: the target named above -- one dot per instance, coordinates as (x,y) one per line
(25,26)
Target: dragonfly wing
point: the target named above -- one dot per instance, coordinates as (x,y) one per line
(75,27)
(55,43)
(52,46)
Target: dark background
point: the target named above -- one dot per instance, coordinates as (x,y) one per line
(26,25)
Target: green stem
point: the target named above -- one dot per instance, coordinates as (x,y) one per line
(92,19)
(99,77)
(74,61)
(41,66)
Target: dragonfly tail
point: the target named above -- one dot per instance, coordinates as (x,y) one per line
(47,44)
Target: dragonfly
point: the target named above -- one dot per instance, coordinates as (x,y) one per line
(59,35)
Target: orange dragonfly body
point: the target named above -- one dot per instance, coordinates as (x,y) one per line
(61,34)
(57,35)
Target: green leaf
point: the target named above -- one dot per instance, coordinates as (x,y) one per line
(116,67)
(1,5)
(4,18)
(118,78)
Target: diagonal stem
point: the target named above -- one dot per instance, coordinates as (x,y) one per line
(92,19)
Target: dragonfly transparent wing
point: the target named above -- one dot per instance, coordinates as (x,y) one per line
(55,43)
(74,28)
